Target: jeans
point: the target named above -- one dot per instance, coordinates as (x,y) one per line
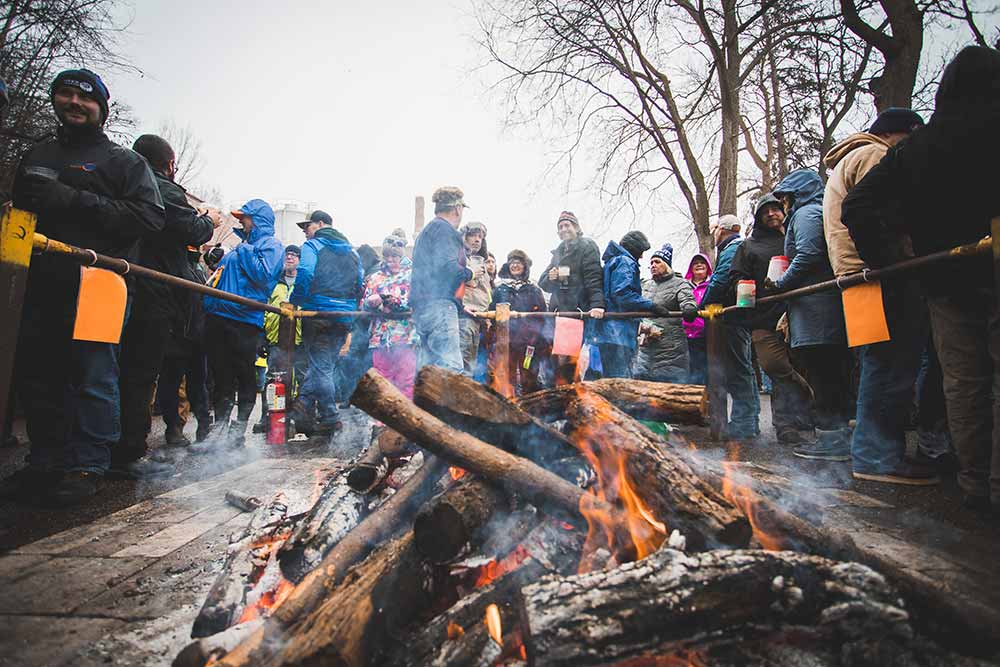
(741,384)
(888,373)
(790,393)
(350,368)
(321,341)
(469,333)
(437,325)
(143,348)
(933,438)
(697,361)
(193,368)
(232,351)
(616,360)
(69,391)
(967,339)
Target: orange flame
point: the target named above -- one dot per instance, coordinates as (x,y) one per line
(493,624)
(496,569)
(456,472)
(455,630)
(268,602)
(744,497)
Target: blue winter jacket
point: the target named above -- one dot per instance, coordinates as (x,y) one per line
(250,269)
(720,285)
(438,264)
(817,319)
(622,293)
(330,275)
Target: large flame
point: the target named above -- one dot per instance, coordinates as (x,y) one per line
(743,496)
(493,624)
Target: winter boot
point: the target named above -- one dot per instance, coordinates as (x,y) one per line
(175,436)
(832,445)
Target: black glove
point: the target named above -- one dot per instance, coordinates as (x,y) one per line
(660,309)
(45,195)
(769,285)
(689,312)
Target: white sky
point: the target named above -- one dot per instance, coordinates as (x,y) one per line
(357,108)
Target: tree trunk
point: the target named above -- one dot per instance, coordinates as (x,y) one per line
(672,602)
(676,495)
(655,401)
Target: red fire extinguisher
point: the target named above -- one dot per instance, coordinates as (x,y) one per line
(274,392)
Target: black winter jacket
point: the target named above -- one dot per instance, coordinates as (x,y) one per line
(584,288)
(523,297)
(750,263)
(115,203)
(167,251)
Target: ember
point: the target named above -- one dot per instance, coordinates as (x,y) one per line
(455,630)
(268,602)
(496,569)
(456,472)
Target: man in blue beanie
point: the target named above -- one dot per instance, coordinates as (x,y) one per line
(92,193)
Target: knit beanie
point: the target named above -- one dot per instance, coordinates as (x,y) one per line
(294,249)
(896,119)
(635,242)
(666,253)
(89,83)
(570,217)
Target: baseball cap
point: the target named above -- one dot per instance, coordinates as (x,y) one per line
(316,216)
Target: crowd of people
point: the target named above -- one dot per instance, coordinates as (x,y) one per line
(901,188)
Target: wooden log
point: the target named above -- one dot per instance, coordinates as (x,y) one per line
(376,396)
(369,471)
(463,403)
(337,511)
(655,401)
(445,528)
(672,601)
(227,598)
(264,646)
(202,651)
(663,478)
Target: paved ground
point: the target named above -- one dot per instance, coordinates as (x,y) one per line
(119,582)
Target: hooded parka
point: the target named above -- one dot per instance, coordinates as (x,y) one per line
(664,358)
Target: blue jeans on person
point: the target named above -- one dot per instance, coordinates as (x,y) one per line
(741,384)
(616,360)
(888,373)
(437,325)
(321,342)
(69,390)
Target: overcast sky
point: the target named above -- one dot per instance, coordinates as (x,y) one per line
(358,108)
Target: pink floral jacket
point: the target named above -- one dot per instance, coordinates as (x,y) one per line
(395,292)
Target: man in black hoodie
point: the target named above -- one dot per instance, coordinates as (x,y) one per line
(92,193)
(791,394)
(937,187)
(160,312)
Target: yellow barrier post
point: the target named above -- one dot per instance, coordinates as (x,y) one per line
(17,231)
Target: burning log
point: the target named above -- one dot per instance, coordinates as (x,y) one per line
(313,595)
(202,651)
(447,526)
(227,598)
(368,472)
(376,396)
(465,404)
(336,512)
(677,495)
(655,401)
(673,602)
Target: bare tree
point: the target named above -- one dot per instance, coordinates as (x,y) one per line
(187,152)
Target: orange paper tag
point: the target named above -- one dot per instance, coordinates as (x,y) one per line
(568,338)
(864,315)
(100,306)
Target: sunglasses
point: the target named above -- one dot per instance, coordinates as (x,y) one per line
(394,241)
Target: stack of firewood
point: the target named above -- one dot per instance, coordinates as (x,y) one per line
(558,530)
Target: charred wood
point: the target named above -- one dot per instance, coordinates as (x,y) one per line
(201,651)
(676,494)
(227,597)
(446,527)
(369,471)
(655,401)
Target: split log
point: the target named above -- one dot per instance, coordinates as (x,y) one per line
(446,527)
(202,651)
(672,602)
(227,598)
(463,403)
(368,472)
(677,495)
(655,401)
(335,513)
(264,647)
(376,396)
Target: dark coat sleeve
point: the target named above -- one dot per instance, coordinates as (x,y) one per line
(806,237)
(593,275)
(543,280)
(721,283)
(866,213)
(138,208)
(183,224)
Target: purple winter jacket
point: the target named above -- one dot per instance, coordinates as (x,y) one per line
(696,329)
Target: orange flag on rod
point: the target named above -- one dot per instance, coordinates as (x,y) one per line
(864,315)
(568,338)
(100,306)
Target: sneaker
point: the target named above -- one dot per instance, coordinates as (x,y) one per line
(823,451)
(328,428)
(26,484)
(74,488)
(791,436)
(911,474)
(175,436)
(259,428)
(147,467)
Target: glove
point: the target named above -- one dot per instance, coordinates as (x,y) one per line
(45,195)
(769,285)
(689,312)
(660,309)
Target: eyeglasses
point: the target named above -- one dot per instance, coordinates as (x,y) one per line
(394,241)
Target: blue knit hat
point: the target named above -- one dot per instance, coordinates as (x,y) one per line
(666,253)
(89,83)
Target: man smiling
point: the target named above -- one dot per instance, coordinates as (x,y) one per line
(89,192)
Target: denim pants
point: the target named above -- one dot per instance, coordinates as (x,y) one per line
(697,361)
(321,341)
(616,360)
(741,383)
(69,390)
(888,373)
(437,325)
(967,339)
